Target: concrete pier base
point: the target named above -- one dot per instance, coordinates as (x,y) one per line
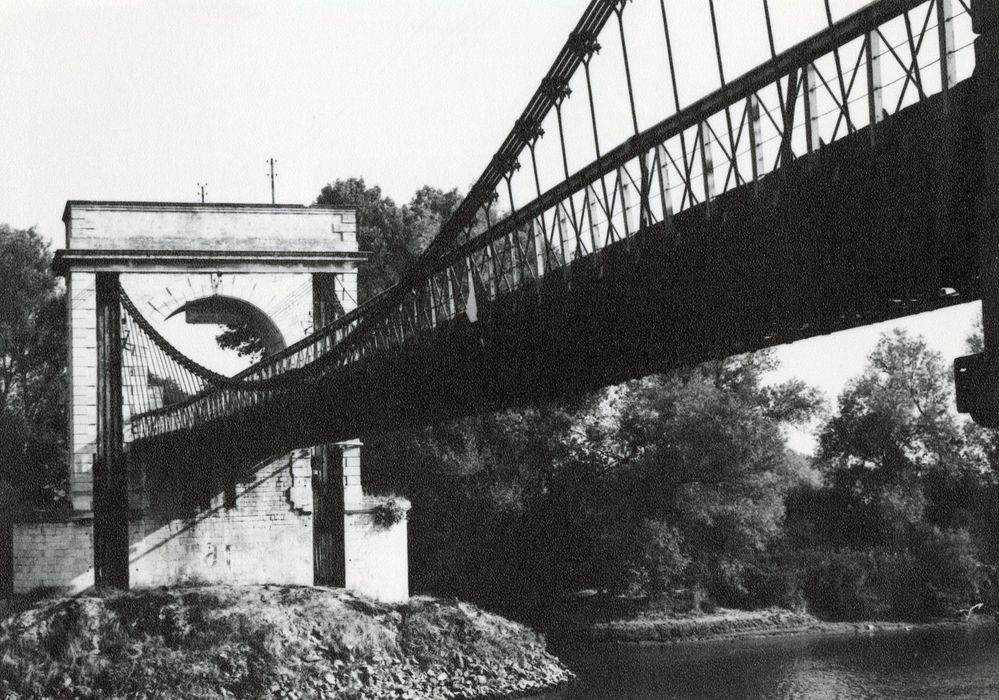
(376,550)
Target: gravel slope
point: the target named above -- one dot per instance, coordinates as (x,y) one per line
(267,642)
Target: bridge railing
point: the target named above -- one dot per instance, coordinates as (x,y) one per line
(849,77)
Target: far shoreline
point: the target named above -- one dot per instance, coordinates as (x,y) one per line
(731,625)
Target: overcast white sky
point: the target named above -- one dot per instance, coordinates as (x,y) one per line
(142,100)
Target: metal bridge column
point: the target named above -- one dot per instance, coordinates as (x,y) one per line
(111,543)
(977,375)
(327,496)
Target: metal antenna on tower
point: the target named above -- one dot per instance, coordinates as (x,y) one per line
(201,190)
(272,176)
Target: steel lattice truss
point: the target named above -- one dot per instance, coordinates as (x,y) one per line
(851,76)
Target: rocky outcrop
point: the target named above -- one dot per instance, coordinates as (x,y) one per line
(267,642)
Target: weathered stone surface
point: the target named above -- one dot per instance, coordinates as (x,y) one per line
(262,538)
(208,227)
(376,555)
(202,516)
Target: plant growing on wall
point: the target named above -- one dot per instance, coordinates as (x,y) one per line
(388,513)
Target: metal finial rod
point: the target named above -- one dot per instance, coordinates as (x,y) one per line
(271,162)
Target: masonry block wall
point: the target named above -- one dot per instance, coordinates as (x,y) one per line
(263,535)
(195,517)
(260,533)
(377,556)
(53,555)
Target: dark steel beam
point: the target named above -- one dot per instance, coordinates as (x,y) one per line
(831,256)
(794,59)
(788,63)
(572,55)
(353,331)
(111,546)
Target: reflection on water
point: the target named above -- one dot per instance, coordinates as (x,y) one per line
(953,663)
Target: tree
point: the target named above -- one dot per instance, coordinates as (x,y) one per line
(379,230)
(394,235)
(984,442)
(476,485)
(32,369)
(423,216)
(976,339)
(673,481)
(895,452)
(241,337)
(707,461)
(904,513)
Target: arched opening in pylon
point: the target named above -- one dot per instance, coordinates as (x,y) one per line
(234,333)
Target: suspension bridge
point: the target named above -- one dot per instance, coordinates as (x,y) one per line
(839,183)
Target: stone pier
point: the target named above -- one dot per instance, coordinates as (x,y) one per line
(375,536)
(283,270)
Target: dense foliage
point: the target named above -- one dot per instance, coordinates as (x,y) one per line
(679,490)
(665,484)
(904,523)
(32,371)
(393,236)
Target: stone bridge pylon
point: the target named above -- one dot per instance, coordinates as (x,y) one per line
(282,271)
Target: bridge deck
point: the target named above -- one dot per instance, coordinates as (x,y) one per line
(852,234)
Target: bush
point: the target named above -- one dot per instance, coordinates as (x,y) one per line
(771,582)
(388,513)
(936,575)
(659,563)
(950,574)
(839,585)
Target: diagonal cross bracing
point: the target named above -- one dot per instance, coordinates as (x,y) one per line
(614,192)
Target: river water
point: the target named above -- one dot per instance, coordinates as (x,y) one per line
(951,663)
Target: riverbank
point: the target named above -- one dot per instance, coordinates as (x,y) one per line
(934,662)
(267,642)
(724,624)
